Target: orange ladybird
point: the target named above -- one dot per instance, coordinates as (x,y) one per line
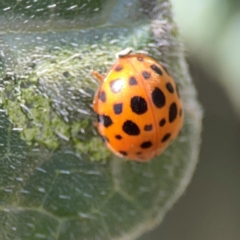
(138,107)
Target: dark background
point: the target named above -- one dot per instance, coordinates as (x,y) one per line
(210,207)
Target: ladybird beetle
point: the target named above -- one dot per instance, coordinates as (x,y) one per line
(139,110)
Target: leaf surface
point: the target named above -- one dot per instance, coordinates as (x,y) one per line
(57,179)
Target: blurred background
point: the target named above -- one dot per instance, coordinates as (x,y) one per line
(210,208)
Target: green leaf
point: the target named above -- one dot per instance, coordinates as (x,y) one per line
(58,180)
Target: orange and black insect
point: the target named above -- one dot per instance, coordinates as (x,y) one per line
(138,107)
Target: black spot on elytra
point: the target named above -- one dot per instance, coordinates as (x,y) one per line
(162,122)
(116,85)
(172,112)
(158,98)
(148,127)
(123,153)
(166,137)
(131,128)
(156,69)
(140,59)
(138,105)
(102,96)
(118,68)
(147,144)
(119,137)
(117,108)
(169,87)
(146,75)
(105,120)
(132,81)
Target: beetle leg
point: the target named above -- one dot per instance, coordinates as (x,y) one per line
(98,76)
